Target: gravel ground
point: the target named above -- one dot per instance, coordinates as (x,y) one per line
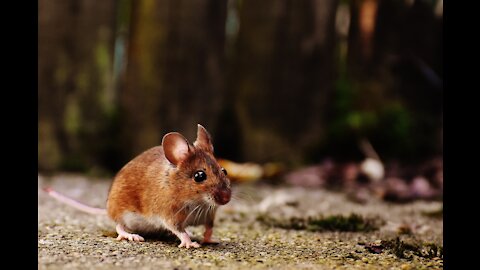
(69,239)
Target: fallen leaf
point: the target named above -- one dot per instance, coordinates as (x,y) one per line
(374,247)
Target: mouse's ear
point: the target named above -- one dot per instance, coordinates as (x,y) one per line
(175,147)
(203,141)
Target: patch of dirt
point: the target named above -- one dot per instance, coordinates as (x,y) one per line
(69,239)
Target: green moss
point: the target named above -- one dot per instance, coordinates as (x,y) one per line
(352,223)
(399,248)
(404,230)
(431,250)
(434,214)
(111,234)
(406,250)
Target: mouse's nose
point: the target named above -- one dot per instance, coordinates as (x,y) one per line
(222,196)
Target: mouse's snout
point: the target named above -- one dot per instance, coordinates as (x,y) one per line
(222,195)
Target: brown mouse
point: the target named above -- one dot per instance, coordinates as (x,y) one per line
(168,187)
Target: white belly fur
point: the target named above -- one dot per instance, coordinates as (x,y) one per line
(139,224)
(136,223)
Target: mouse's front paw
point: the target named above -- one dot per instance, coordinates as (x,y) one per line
(210,241)
(189,244)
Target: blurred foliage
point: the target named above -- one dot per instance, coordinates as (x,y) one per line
(276,80)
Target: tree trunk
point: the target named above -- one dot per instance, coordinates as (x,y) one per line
(282,76)
(74,73)
(174,74)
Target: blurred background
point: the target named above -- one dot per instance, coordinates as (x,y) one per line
(304,86)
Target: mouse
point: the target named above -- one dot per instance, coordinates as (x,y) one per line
(166,188)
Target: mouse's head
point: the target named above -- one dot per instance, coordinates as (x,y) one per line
(196,172)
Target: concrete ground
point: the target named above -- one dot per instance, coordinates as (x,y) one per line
(69,239)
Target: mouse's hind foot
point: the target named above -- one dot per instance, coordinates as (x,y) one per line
(122,234)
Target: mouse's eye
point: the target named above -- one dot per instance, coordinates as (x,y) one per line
(199,176)
(224,171)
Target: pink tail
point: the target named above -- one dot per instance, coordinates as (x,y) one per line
(73,203)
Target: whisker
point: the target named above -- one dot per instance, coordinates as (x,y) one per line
(181,208)
(198,215)
(241,199)
(208,210)
(186,219)
(212,209)
(243,196)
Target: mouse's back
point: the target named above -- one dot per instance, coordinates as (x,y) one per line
(132,181)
